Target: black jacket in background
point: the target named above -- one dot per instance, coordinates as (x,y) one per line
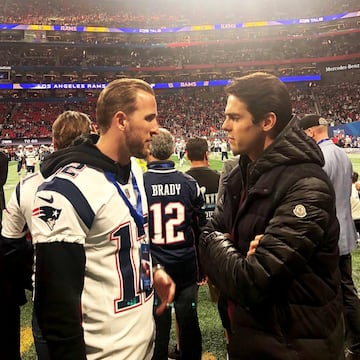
(4,166)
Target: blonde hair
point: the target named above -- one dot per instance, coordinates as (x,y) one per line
(119,95)
(68,126)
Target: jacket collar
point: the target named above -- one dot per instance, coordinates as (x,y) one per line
(292,146)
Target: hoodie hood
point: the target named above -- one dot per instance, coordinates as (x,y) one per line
(84,151)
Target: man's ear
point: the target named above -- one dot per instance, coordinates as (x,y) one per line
(269,121)
(310,132)
(120,119)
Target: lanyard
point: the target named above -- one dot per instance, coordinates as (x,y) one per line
(137,214)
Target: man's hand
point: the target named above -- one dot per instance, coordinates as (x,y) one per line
(165,289)
(254,244)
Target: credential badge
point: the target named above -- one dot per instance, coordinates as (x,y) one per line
(127,193)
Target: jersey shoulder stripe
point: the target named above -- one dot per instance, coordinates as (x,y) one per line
(72,193)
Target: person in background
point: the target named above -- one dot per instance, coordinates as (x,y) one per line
(180,151)
(217,147)
(93,276)
(355,185)
(19,157)
(339,169)
(176,209)
(9,330)
(4,168)
(198,154)
(43,153)
(224,150)
(355,203)
(271,246)
(16,233)
(31,158)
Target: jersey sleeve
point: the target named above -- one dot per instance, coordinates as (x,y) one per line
(14,222)
(61,219)
(16,250)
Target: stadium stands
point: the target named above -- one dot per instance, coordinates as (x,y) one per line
(187,112)
(330,49)
(163,12)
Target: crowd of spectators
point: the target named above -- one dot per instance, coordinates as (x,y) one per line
(44,63)
(133,13)
(340,102)
(187,113)
(213,53)
(278,50)
(69,57)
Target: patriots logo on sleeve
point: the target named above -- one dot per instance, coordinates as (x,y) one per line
(47,214)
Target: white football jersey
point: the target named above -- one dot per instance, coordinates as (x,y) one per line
(30,158)
(19,155)
(79,205)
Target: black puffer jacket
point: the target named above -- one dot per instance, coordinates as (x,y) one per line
(286,297)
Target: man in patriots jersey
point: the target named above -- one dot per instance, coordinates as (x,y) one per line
(44,151)
(19,157)
(31,158)
(176,209)
(93,299)
(180,150)
(16,247)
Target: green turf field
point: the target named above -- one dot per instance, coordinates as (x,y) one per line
(355,159)
(213,339)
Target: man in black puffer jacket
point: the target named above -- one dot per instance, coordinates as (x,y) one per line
(282,290)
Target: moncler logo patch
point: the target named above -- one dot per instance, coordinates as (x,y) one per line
(300,211)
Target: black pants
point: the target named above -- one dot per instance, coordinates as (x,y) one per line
(351,305)
(30,169)
(185,303)
(224,155)
(10,332)
(19,166)
(41,347)
(357,225)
